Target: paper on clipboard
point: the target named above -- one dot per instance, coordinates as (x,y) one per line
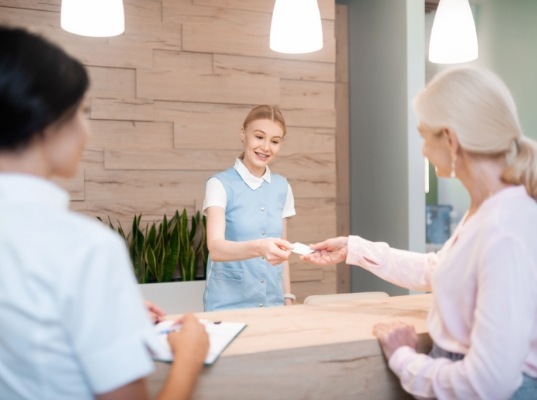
(221,334)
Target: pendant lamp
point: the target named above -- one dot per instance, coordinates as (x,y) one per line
(453,36)
(296,27)
(97,18)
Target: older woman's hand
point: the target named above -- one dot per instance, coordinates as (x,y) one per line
(393,335)
(329,252)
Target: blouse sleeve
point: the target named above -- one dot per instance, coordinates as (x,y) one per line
(105,318)
(215,195)
(289,207)
(505,302)
(403,268)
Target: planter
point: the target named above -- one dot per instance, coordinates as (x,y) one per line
(175,297)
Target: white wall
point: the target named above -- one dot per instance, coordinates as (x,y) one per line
(507,36)
(386,70)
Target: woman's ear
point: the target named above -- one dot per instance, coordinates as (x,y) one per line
(243,135)
(452,140)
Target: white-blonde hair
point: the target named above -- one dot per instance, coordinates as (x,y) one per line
(479,108)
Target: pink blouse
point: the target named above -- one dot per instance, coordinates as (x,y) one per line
(484,285)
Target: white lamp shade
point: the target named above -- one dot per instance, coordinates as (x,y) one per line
(97,18)
(296,27)
(453,36)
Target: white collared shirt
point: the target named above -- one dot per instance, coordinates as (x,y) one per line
(73,321)
(215,194)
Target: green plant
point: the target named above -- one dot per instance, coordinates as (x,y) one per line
(167,250)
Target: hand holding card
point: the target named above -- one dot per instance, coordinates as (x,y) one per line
(301,248)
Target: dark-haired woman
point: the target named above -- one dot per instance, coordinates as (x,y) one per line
(74,325)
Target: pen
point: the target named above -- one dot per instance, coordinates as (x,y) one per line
(206,321)
(165,331)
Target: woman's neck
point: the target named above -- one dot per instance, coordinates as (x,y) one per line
(257,172)
(27,161)
(482,179)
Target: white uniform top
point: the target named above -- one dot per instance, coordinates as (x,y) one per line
(215,194)
(73,320)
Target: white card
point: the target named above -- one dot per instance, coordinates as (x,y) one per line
(301,248)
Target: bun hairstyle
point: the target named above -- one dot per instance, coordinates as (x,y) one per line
(39,84)
(479,107)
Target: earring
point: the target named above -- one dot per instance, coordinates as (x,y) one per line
(453,159)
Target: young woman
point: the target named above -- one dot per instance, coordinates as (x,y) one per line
(74,325)
(484,280)
(247,207)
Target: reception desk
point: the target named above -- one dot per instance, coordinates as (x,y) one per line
(308,352)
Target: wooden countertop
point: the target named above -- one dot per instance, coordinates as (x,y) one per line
(308,351)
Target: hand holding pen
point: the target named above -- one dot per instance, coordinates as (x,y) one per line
(188,339)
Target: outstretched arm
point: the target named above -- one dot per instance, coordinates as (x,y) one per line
(274,250)
(329,252)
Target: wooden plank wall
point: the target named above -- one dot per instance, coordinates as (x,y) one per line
(168,98)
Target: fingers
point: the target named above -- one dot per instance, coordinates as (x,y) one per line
(383,329)
(323,257)
(320,245)
(283,244)
(191,328)
(155,312)
(190,344)
(190,319)
(330,251)
(393,335)
(276,250)
(330,244)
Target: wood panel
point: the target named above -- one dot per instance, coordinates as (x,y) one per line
(43,5)
(316,95)
(107,134)
(239,88)
(112,82)
(168,98)
(246,33)
(199,125)
(167,159)
(326,7)
(323,118)
(314,221)
(126,109)
(285,69)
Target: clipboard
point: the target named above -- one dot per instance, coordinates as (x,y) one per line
(221,334)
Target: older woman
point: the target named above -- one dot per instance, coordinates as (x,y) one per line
(484,280)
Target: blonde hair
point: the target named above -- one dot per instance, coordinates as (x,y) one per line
(479,107)
(265,111)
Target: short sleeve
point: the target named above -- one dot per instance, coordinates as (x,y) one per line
(105,317)
(289,207)
(215,195)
